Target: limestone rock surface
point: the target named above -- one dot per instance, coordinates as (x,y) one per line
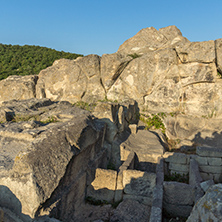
(38,145)
(18,87)
(71,80)
(160,69)
(150,39)
(209,207)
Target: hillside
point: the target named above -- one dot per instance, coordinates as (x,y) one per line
(26,60)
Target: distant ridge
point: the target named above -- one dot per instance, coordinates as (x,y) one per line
(27,59)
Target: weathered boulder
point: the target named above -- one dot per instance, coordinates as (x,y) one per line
(38,152)
(18,87)
(209,207)
(57,82)
(71,80)
(90,66)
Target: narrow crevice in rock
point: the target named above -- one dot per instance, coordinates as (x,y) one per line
(192,83)
(179,59)
(216,58)
(120,69)
(100,79)
(83,94)
(34,88)
(101,82)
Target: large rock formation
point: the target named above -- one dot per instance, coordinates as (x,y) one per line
(50,149)
(161,70)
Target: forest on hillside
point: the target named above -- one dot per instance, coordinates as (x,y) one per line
(28,60)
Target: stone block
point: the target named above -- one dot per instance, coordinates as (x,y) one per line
(206,185)
(200,160)
(119,187)
(129,163)
(182,173)
(179,158)
(206,176)
(124,153)
(160,165)
(179,167)
(104,185)
(209,152)
(141,199)
(177,210)
(194,173)
(217,178)
(138,183)
(178,193)
(214,161)
(219,53)
(76,196)
(211,169)
(159,178)
(157,197)
(130,211)
(156,214)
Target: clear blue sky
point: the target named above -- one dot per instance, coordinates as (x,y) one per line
(101,26)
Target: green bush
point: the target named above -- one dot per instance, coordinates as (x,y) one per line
(134,55)
(86,106)
(154,121)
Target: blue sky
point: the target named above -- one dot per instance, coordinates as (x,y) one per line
(101,26)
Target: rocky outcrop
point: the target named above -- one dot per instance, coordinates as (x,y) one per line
(149,39)
(160,69)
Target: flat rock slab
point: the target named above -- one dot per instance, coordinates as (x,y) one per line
(145,144)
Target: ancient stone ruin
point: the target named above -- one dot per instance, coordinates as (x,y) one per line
(129,136)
